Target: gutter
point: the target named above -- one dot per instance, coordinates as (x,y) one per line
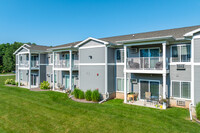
(147,39)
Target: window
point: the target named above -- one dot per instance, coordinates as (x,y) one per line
(181,53)
(181,89)
(20,58)
(51,59)
(120,55)
(120,84)
(27,57)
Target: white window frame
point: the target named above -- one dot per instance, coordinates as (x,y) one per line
(122,63)
(175,63)
(148,86)
(180,81)
(123,83)
(21,75)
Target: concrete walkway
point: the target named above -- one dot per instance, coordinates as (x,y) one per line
(6,75)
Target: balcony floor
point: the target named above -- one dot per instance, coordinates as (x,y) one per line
(146,71)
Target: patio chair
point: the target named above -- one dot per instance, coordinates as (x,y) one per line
(159,65)
(148,96)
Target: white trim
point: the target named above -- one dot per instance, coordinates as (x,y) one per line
(181,63)
(23,53)
(39,70)
(29,70)
(88,39)
(192,71)
(53,71)
(20,48)
(70,68)
(116,64)
(148,86)
(145,43)
(180,81)
(191,33)
(27,45)
(92,47)
(125,75)
(91,64)
(23,68)
(106,70)
(147,71)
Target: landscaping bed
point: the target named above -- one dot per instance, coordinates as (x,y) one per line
(82,100)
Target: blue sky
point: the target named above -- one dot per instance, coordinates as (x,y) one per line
(55,22)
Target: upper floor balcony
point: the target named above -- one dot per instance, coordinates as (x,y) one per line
(25,63)
(66,64)
(145,63)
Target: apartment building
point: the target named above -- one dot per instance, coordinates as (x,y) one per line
(165,63)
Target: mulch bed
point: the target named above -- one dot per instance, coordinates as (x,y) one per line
(11,85)
(195,118)
(38,89)
(82,100)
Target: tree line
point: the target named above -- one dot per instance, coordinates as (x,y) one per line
(7,58)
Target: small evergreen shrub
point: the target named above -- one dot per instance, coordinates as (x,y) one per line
(76,92)
(95,95)
(88,95)
(81,94)
(9,81)
(198,110)
(45,85)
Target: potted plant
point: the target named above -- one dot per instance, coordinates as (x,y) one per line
(164,103)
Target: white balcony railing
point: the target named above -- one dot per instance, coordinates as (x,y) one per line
(145,63)
(66,64)
(35,64)
(24,64)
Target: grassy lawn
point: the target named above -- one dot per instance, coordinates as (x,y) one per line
(22,110)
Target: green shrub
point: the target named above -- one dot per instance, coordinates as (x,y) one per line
(88,95)
(45,85)
(9,81)
(198,110)
(95,95)
(13,82)
(76,92)
(81,94)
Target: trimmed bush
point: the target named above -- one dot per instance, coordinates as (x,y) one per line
(45,85)
(81,94)
(198,110)
(9,81)
(88,95)
(76,92)
(95,96)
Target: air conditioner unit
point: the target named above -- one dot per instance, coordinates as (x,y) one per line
(180,67)
(134,81)
(133,50)
(180,103)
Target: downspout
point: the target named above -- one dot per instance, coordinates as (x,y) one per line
(107,97)
(190,110)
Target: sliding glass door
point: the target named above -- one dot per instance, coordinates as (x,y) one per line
(149,86)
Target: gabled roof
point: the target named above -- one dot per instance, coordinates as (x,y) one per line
(177,33)
(33,48)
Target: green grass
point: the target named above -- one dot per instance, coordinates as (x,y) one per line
(7,73)
(22,110)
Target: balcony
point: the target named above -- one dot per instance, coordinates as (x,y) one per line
(66,64)
(145,64)
(25,64)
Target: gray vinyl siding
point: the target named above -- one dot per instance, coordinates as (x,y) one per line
(196,84)
(98,55)
(16,72)
(24,79)
(182,75)
(111,55)
(119,70)
(43,73)
(90,80)
(23,50)
(111,78)
(197,50)
(43,58)
(92,43)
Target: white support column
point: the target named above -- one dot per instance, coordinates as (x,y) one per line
(18,71)
(70,70)
(164,56)
(164,69)
(106,70)
(125,76)
(164,85)
(39,71)
(29,70)
(53,71)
